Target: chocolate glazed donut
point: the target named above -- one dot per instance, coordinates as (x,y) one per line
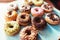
(38,22)
(52,18)
(23,19)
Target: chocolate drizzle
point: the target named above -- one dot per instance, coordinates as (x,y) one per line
(37,19)
(52,16)
(23,16)
(28,32)
(10,13)
(10,26)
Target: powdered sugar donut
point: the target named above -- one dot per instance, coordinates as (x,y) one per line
(12,6)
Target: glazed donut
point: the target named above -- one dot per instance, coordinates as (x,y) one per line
(58,38)
(25,8)
(28,2)
(11,16)
(52,18)
(23,19)
(12,6)
(37,11)
(38,22)
(11,28)
(28,33)
(38,2)
(47,7)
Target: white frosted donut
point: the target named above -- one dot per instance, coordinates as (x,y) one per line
(12,6)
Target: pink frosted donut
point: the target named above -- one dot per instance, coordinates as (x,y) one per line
(37,11)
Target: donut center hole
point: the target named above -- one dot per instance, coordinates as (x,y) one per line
(10,13)
(36,9)
(23,6)
(28,32)
(11,26)
(11,5)
(23,16)
(46,6)
(37,19)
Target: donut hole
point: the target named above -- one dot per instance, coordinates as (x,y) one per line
(11,5)
(52,17)
(23,6)
(28,32)
(23,16)
(10,13)
(37,19)
(36,10)
(59,39)
(46,7)
(10,26)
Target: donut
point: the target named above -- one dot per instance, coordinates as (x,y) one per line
(25,8)
(47,7)
(11,28)
(11,16)
(28,2)
(37,11)
(12,6)
(28,33)
(58,37)
(52,18)
(23,19)
(38,22)
(38,2)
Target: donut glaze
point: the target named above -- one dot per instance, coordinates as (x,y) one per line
(38,22)
(12,6)
(38,2)
(11,28)
(28,33)
(25,8)
(28,2)
(47,7)
(52,18)
(37,11)
(23,19)
(11,16)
